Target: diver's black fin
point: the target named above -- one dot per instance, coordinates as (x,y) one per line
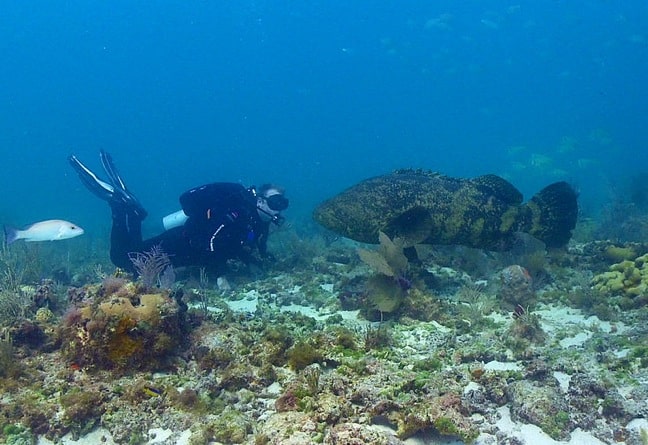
(111,170)
(122,195)
(92,182)
(114,191)
(553,212)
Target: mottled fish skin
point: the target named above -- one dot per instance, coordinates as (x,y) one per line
(427,207)
(50,230)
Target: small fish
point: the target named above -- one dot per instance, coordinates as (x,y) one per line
(50,230)
(152,391)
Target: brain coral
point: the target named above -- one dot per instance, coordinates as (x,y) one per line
(628,279)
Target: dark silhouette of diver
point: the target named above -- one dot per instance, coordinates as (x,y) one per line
(221,221)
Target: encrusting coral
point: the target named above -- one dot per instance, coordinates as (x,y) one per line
(628,279)
(115,327)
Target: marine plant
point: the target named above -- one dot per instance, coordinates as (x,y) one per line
(13,304)
(12,269)
(153,267)
(474,305)
(16,434)
(230,426)
(387,288)
(311,375)
(82,410)
(441,413)
(303,354)
(384,296)
(388,259)
(344,337)
(617,254)
(8,366)
(376,337)
(525,329)
(643,435)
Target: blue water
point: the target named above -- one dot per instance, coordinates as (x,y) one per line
(316,96)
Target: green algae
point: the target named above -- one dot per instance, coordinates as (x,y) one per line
(303,354)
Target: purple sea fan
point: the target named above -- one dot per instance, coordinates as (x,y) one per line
(111,285)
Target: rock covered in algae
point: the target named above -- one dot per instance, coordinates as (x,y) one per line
(355,433)
(543,406)
(117,327)
(426,207)
(515,286)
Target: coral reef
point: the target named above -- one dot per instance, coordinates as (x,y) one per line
(122,328)
(628,279)
(274,360)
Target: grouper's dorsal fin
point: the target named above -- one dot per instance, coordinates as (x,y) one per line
(500,187)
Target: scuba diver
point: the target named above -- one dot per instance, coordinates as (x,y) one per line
(218,221)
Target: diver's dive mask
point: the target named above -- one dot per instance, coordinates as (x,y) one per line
(271,204)
(277,202)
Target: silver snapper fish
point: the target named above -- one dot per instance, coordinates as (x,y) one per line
(50,230)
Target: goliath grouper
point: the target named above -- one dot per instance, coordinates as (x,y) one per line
(426,207)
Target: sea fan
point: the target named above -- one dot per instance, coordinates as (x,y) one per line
(153,267)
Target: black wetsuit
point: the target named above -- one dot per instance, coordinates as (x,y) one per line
(223,223)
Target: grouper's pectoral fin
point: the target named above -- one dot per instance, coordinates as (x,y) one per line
(413,226)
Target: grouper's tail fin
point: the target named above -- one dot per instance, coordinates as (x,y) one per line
(552,214)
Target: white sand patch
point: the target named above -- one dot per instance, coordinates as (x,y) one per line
(555,318)
(638,425)
(576,340)
(502,366)
(159,435)
(422,438)
(353,315)
(100,436)
(532,435)
(304,310)
(472,386)
(431,439)
(577,327)
(274,389)
(323,315)
(248,304)
(328,287)
(183,438)
(563,380)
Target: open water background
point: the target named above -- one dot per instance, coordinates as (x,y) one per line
(316,96)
